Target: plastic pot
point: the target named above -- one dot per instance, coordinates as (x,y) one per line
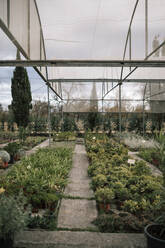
(153,242)
(6,243)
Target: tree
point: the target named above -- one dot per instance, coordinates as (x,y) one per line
(93,119)
(21,94)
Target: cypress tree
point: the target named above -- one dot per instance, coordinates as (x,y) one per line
(21,94)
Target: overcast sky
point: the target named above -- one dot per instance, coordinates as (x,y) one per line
(87,29)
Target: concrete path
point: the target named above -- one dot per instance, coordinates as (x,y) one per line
(79,211)
(155,171)
(68,239)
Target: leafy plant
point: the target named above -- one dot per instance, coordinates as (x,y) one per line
(4,155)
(12,148)
(104,195)
(42,176)
(46,221)
(13,215)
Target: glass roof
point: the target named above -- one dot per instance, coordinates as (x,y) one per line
(89,29)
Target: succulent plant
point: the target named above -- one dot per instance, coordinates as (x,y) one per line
(5,156)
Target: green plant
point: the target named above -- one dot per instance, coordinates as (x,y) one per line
(46,221)
(14,215)
(104,195)
(161,147)
(4,155)
(21,96)
(42,176)
(119,222)
(99,180)
(140,168)
(12,148)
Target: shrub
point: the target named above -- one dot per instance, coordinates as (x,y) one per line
(13,215)
(140,168)
(12,148)
(104,195)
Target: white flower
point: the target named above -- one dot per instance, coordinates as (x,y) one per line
(28,167)
(94,138)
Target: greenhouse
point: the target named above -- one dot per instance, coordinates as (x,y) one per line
(84,81)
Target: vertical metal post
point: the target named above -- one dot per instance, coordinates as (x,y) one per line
(102,106)
(49,126)
(144,93)
(146,28)
(28,28)
(120,108)
(143,118)
(8,13)
(130,46)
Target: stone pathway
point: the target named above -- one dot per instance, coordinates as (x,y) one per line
(68,239)
(154,170)
(79,210)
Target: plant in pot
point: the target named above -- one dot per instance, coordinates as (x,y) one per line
(4,158)
(155,232)
(13,217)
(104,196)
(12,149)
(20,153)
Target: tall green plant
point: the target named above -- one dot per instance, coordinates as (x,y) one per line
(21,97)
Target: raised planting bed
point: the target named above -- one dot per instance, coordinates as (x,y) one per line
(128,196)
(42,178)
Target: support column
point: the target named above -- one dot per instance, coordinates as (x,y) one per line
(49,125)
(146,28)
(120,108)
(143,118)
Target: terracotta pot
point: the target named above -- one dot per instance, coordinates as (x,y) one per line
(5,165)
(105,206)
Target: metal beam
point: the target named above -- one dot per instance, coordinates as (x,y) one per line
(101,80)
(84,63)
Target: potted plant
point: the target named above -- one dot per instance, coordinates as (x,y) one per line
(13,217)
(104,196)
(20,153)
(4,158)
(12,149)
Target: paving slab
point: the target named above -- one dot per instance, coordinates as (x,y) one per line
(78,188)
(77,213)
(69,239)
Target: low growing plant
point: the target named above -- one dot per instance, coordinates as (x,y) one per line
(14,215)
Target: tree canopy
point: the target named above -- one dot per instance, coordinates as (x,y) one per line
(21,94)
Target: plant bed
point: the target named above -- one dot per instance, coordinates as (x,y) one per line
(42,178)
(17,149)
(152,156)
(131,188)
(64,136)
